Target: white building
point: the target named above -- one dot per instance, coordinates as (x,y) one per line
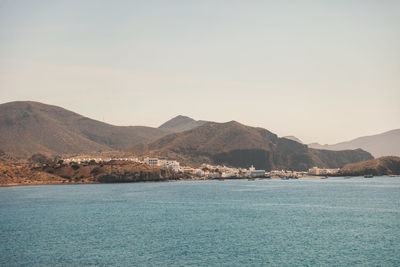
(165,163)
(318,171)
(214,175)
(170,164)
(151,161)
(187,170)
(254,173)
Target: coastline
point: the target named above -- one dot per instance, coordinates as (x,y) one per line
(34,183)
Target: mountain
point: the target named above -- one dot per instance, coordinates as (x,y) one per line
(384,144)
(293,138)
(380,166)
(29,127)
(181,123)
(238,145)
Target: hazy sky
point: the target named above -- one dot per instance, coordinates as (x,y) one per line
(323,71)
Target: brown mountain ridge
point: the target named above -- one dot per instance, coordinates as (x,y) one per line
(28,127)
(31,127)
(238,145)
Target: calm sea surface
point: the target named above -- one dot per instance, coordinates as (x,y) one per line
(335,221)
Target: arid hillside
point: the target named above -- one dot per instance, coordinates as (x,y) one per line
(379,166)
(239,145)
(31,127)
(12,173)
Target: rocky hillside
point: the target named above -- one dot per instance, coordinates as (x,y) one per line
(379,166)
(30,127)
(13,173)
(238,145)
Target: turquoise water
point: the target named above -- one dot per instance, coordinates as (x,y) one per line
(334,221)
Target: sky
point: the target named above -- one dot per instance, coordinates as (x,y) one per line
(324,71)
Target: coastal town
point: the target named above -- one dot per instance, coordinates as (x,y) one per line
(208,171)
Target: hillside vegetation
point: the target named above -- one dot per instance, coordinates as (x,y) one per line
(238,145)
(12,173)
(380,166)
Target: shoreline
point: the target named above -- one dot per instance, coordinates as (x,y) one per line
(156,181)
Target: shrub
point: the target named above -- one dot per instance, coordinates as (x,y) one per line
(96,171)
(39,158)
(75,166)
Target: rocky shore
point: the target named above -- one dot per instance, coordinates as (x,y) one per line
(16,173)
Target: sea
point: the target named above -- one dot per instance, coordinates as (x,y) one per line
(306,222)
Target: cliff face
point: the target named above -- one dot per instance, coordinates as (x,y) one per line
(379,166)
(238,145)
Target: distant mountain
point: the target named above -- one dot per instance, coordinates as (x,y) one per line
(384,144)
(379,166)
(181,123)
(238,145)
(28,127)
(293,138)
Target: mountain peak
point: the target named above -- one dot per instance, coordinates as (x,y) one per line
(181,123)
(183,117)
(293,138)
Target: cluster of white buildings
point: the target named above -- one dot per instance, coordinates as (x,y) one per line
(318,171)
(206,170)
(170,164)
(97,160)
(286,174)
(210,171)
(218,171)
(315,171)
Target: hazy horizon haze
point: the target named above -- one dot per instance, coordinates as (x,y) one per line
(322,71)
